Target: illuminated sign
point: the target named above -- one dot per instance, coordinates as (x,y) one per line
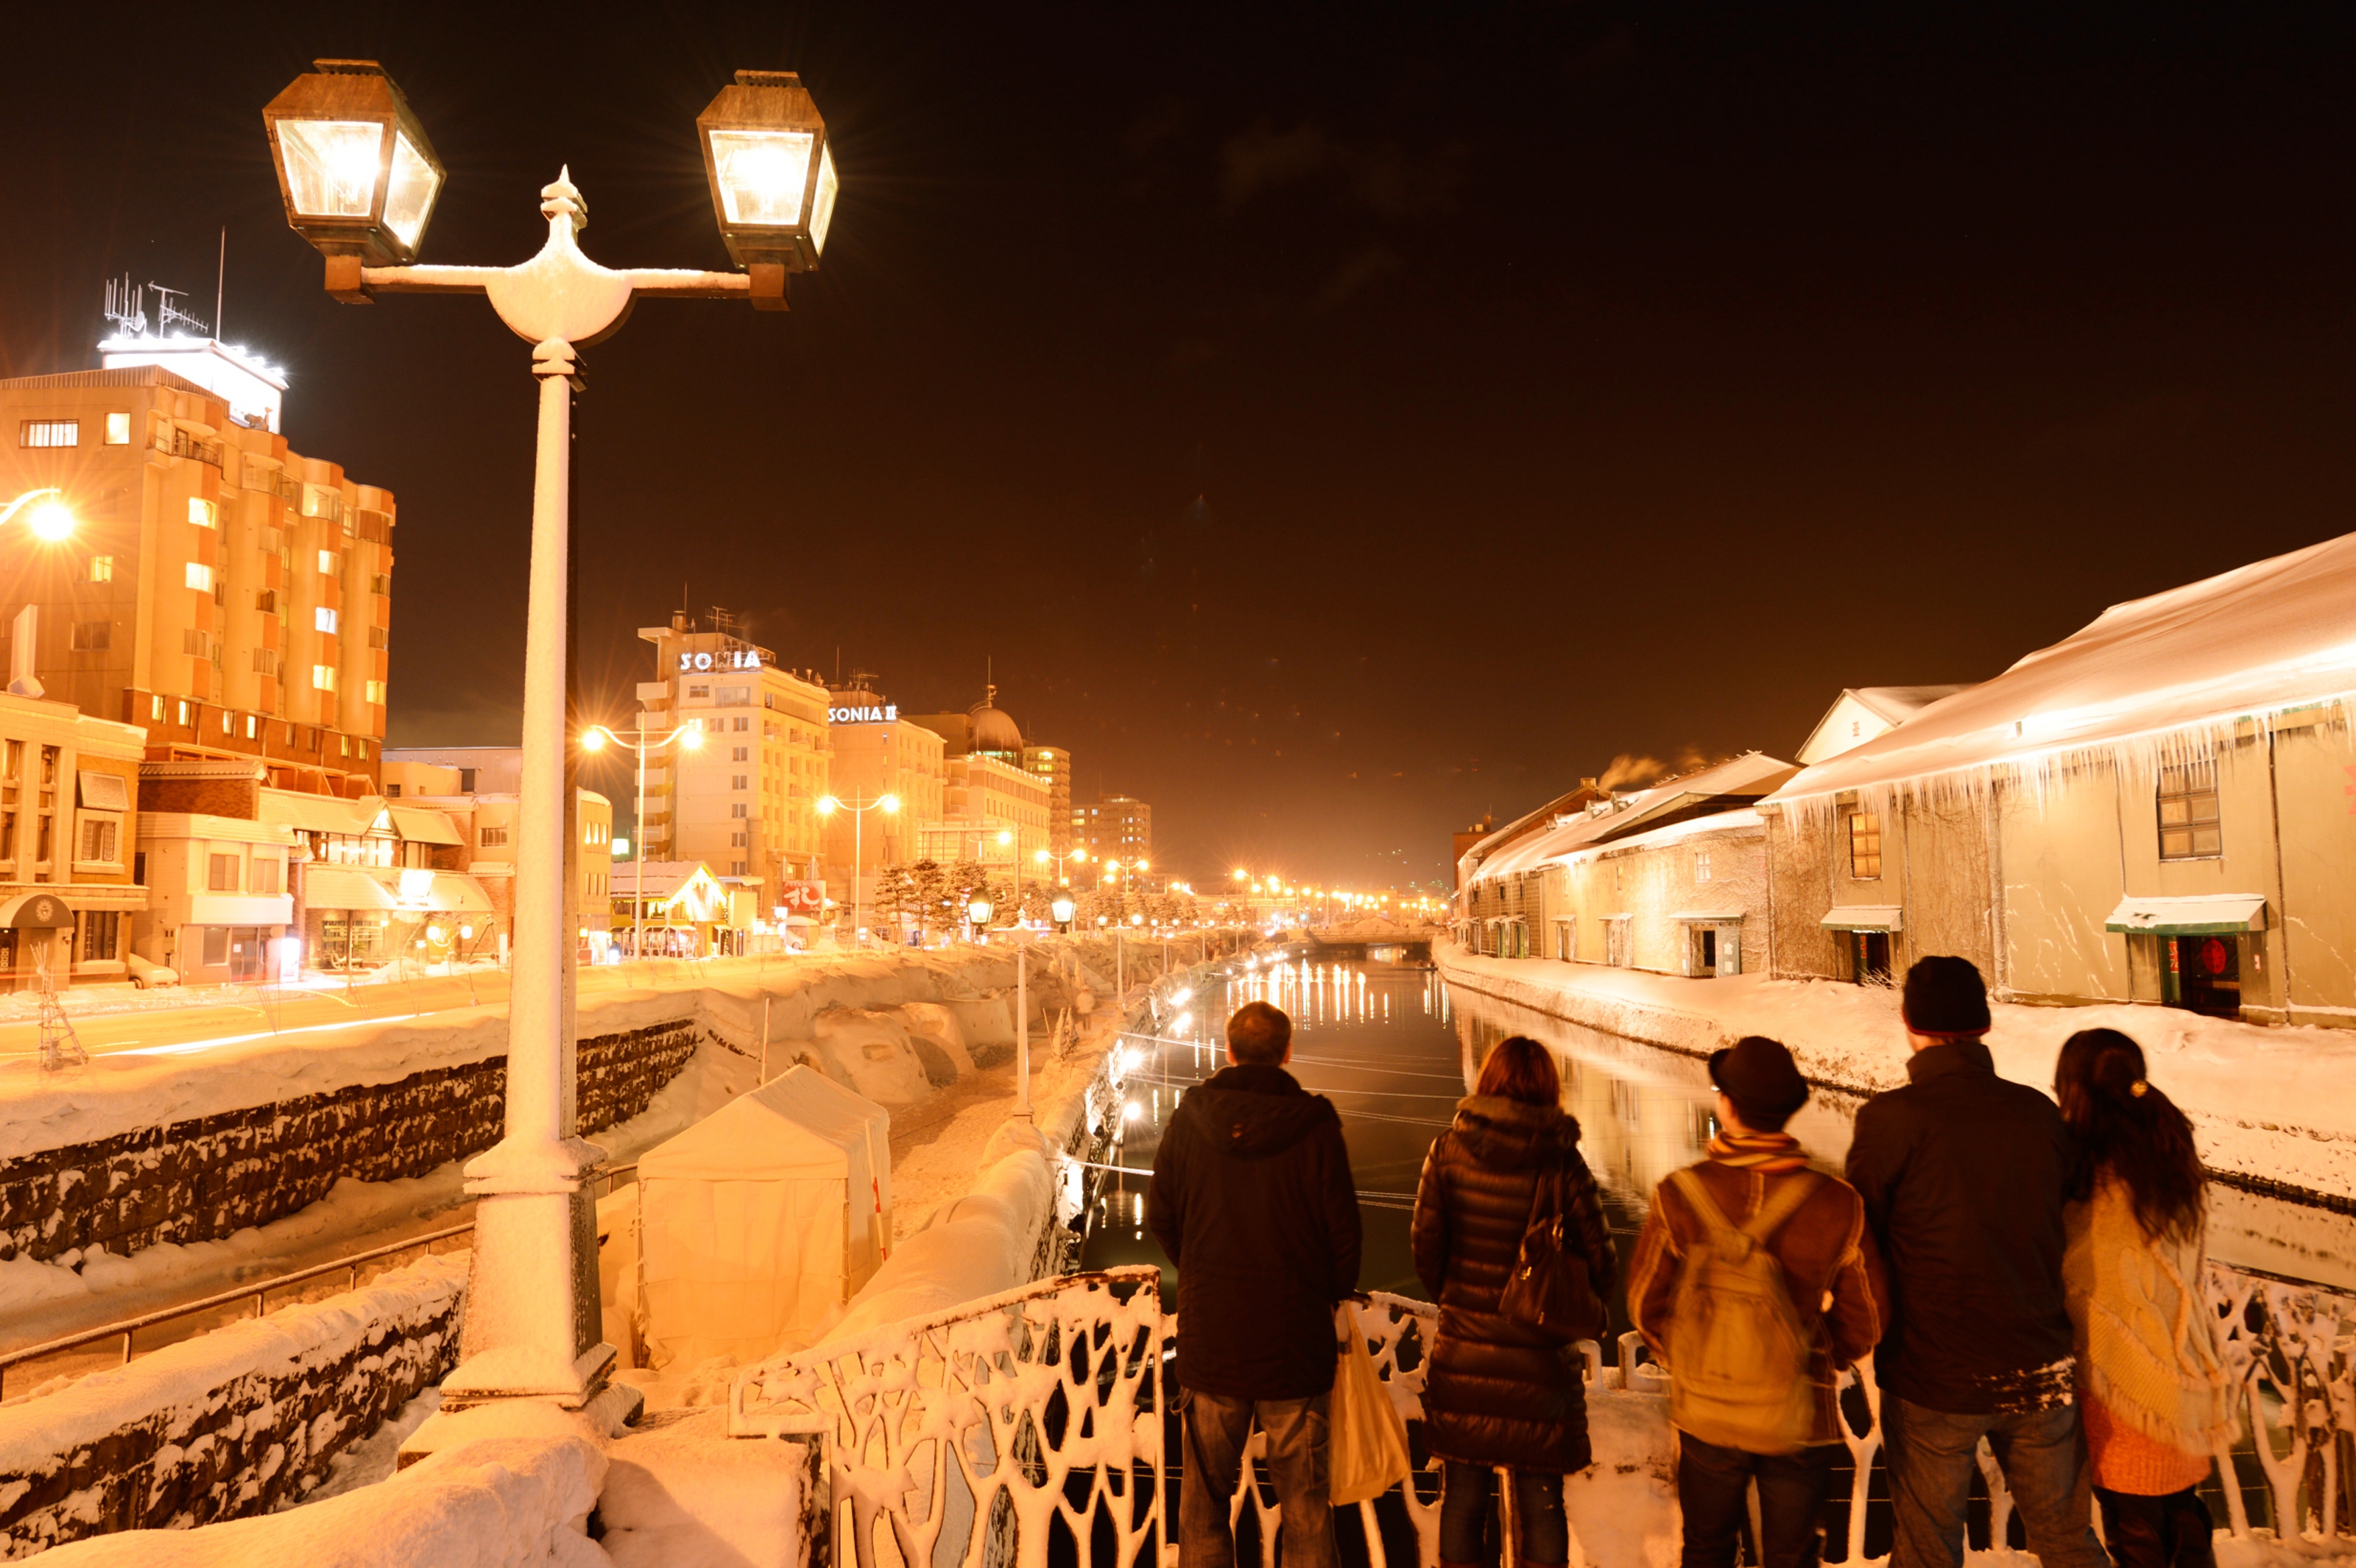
(886,714)
(800,898)
(727,658)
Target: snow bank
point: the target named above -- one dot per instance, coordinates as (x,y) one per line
(978,1245)
(505,1503)
(2268,1104)
(228,1421)
(683,1494)
(1623,1508)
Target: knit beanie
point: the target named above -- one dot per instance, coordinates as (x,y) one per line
(1944,995)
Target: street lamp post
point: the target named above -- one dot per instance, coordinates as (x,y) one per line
(827,806)
(359,181)
(690,739)
(979,911)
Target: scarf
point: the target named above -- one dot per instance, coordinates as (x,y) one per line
(1769,1153)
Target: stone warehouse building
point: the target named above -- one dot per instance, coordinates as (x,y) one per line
(1671,879)
(2158,808)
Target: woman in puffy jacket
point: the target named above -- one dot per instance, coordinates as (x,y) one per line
(1497,1391)
(2152,1388)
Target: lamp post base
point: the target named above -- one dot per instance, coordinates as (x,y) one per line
(534,1325)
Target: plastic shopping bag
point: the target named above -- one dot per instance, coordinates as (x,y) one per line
(1368,1440)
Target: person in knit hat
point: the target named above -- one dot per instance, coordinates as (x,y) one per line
(1962,1173)
(2157,1398)
(1826,1262)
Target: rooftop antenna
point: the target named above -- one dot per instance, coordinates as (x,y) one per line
(169,315)
(220,282)
(126,306)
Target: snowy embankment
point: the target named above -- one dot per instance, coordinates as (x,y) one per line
(2270,1105)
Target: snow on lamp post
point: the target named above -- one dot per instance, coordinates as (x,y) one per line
(359,179)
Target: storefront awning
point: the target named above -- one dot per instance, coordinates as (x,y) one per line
(2209,915)
(1864,917)
(314,813)
(421,825)
(1708,916)
(345,888)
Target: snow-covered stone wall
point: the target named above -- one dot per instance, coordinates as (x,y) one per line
(202,1177)
(227,1424)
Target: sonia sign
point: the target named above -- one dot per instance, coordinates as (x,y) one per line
(869,714)
(727,658)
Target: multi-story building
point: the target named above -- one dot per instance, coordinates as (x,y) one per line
(993,810)
(879,752)
(228,594)
(744,802)
(476,788)
(69,799)
(1117,828)
(1054,764)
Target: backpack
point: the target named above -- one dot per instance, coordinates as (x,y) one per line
(1738,1349)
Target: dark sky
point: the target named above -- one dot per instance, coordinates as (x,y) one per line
(1333,420)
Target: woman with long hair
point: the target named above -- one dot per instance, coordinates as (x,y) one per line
(1499,1391)
(2152,1387)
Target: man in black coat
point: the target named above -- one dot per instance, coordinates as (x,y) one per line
(1252,1200)
(1963,1174)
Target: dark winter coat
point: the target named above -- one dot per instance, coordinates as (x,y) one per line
(1962,1174)
(1252,1200)
(1498,1392)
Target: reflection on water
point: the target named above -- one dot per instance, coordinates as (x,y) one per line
(1395,1050)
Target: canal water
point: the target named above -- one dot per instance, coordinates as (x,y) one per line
(1395,1047)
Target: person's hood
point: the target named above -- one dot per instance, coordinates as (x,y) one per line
(1251,1111)
(1512,1134)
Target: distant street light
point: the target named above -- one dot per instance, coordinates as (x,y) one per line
(889,804)
(595,738)
(359,181)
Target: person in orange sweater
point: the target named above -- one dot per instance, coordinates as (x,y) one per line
(1757,1180)
(2152,1386)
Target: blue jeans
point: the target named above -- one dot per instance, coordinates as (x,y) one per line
(2042,1453)
(1537,1507)
(1217,1426)
(1714,1497)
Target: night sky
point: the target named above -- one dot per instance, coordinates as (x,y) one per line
(1333,422)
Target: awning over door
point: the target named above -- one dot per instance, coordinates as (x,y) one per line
(421,825)
(1864,917)
(345,888)
(1708,916)
(2209,915)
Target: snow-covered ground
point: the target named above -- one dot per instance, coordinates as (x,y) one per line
(2271,1105)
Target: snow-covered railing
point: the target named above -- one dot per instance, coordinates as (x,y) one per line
(2291,1349)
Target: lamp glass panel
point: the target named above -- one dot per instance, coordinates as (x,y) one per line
(331,165)
(822,209)
(411,196)
(762,175)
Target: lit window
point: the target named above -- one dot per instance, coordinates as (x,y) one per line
(325,619)
(118,430)
(330,563)
(200,577)
(2189,816)
(203,513)
(50,433)
(102,569)
(376,692)
(323,678)
(1864,845)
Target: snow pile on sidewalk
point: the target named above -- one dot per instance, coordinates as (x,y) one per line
(502,1502)
(2269,1104)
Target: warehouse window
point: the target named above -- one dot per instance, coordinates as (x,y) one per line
(2190,828)
(1865,845)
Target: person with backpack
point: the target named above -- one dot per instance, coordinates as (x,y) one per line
(2156,1398)
(1963,1174)
(1755,1282)
(1502,1185)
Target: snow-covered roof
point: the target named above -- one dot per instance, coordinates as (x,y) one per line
(2275,634)
(1885,705)
(1737,783)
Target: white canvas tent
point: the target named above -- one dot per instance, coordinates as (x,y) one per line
(759,1222)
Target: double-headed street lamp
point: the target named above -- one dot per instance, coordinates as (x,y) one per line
(49,518)
(360,179)
(889,804)
(596,739)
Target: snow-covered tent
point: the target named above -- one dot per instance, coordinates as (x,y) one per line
(759,1222)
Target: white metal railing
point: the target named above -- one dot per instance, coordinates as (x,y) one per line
(986,1421)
